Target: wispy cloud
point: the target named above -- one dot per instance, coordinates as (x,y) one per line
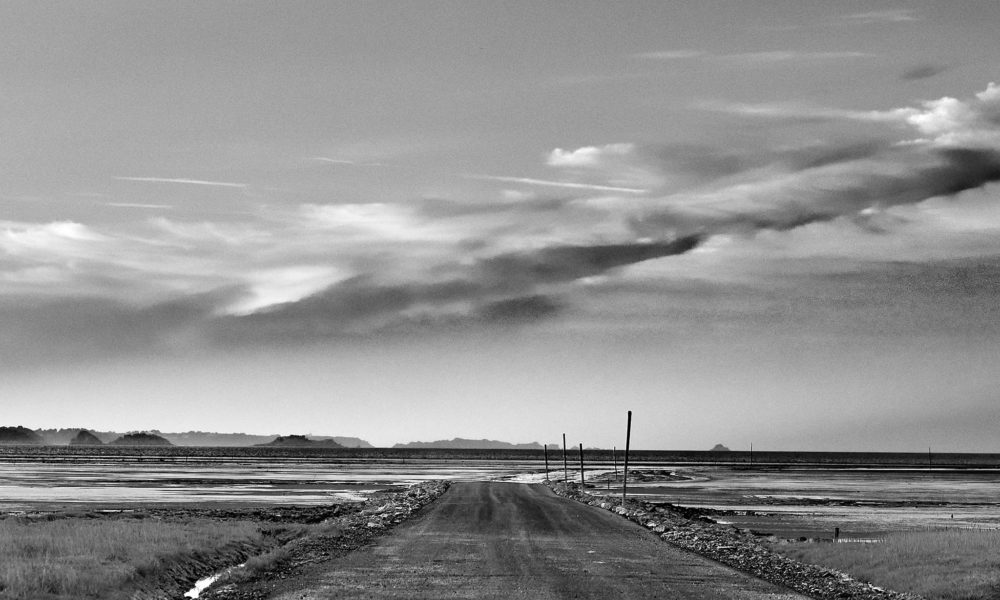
(354,163)
(875,17)
(945,122)
(570,185)
(671,54)
(138,205)
(922,72)
(184,181)
(780,56)
(751,58)
(796,111)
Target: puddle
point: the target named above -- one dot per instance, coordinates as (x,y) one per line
(202,584)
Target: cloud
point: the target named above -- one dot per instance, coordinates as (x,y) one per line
(139,205)
(589,156)
(781,56)
(762,58)
(922,72)
(499,288)
(957,123)
(569,185)
(794,111)
(620,164)
(523,270)
(946,121)
(227,184)
(517,310)
(670,54)
(879,17)
(316,272)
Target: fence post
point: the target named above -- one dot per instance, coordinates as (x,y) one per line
(565,464)
(628,440)
(581,466)
(545,449)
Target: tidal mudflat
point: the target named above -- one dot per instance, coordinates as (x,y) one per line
(789,494)
(811,502)
(241,479)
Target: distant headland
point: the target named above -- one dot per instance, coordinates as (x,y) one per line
(23,436)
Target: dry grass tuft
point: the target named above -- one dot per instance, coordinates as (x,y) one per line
(944,564)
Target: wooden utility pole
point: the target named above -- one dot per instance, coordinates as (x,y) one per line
(581,465)
(628,441)
(565,464)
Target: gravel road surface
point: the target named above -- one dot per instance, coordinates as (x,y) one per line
(507,540)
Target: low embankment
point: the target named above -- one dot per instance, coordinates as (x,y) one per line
(693,531)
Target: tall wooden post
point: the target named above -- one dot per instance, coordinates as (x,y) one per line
(545,449)
(628,442)
(565,464)
(614,457)
(581,465)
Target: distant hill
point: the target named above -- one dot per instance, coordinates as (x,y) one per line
(141,439)
(20,436)
(85,438)
(464,444)
(346,442)
(719,448)
(61,437)
(300,441)
(208,438)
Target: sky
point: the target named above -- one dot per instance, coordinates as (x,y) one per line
(768,223)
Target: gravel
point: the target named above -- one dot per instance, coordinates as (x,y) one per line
(695,531)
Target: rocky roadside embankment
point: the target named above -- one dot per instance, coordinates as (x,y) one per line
(737,548)
(333,538)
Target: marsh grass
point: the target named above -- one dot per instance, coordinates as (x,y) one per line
(943,564)
(101,558)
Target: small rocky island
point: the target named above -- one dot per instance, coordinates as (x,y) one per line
(141,438)
(85,438)
(299,441)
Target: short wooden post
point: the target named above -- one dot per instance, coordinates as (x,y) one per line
(545,449)
(836,533)
(628,440)
(565,464)
(581,465)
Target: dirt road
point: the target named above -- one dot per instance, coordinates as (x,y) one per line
(503,540)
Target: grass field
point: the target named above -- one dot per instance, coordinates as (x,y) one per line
(947,564)
(107,558)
